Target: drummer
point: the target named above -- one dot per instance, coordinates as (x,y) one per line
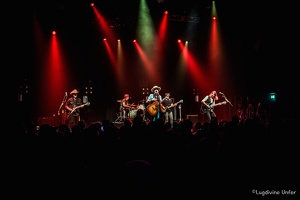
(126,106)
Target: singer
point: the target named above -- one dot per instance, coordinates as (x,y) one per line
(155,99)
(208,104)
(71,106)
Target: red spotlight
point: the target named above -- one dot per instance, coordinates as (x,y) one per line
(53,32)
(134,41)
(166,12)
(214,18)
(104,39)
(179,40)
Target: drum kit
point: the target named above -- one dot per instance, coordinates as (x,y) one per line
(135,110)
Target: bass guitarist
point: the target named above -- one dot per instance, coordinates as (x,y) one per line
(71,104)
(208,104)
(154,100)
(167,107)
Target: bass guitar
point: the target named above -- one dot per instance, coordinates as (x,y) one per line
(164,109)
(153,108)
(80,106)
(205,109)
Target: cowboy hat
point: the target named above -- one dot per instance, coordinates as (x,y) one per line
(74,91)
(155,88)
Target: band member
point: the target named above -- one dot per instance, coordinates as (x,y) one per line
(126,106)
(167,107)
(72,107)
(209,102)
(154,100)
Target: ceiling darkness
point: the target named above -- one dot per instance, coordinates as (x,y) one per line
(253,30)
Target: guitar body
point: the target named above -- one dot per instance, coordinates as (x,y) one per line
(163,110)
(153,108)
(205,109)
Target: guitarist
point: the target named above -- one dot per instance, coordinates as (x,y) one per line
(165,104)
(154,100)
(209,101)
(70,105)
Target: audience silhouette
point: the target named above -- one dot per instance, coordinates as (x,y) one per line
(232,157)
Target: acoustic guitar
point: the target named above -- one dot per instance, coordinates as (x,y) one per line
(153,108)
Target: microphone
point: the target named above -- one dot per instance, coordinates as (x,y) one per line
(221,93)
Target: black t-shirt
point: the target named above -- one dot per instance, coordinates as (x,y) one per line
(166,103)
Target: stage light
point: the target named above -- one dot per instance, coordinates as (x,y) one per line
(272,97)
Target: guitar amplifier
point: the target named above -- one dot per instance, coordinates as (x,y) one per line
(193,118)
(46,120)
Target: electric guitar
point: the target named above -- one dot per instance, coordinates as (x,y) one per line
(205,109)
(164,109)
(80,106)
(153,108)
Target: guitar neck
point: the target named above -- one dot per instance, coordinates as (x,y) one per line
(220,103)
(175,104)
(80,106)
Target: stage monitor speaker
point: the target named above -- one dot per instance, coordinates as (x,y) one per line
(193,118)
(46,120)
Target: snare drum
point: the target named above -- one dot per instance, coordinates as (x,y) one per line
(132,113)
(141,107)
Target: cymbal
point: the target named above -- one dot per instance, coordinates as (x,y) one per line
(119,101)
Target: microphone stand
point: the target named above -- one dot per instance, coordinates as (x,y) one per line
(223,95)
(61,105)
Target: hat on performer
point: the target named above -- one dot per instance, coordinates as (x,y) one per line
(74,91)
(126,95)
(155,88)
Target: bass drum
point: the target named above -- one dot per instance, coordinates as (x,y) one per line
(141,107)
(132,114)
